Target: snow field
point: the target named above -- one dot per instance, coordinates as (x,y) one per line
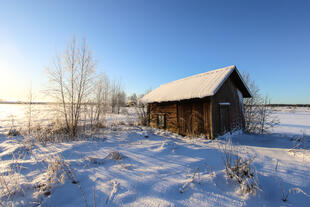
(138,166)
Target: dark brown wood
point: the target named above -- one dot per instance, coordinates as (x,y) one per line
(198,119)
(170,112)
(203,116)
(231,117)
(183,117)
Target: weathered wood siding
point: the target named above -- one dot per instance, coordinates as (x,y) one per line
(207,114)
(184,117)
(228,93)
(170,112)
(194,117)
(202,116)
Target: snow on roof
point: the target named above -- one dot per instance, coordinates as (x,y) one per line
(196,86)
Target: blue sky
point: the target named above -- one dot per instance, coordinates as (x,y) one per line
(148,43)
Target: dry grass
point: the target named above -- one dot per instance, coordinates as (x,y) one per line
(189,181)
(11,179)
(54,174)
(286,193)
(240,169)
(14,132)
(142,115)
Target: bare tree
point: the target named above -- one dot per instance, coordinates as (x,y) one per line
(142,115)
(118,96)
(115,88)
(29,110)
(133,99)
(71,79)
(141,109)
(258,115)
(102,91)
(267,120)
(121,100)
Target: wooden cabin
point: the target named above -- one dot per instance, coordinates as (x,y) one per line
(208,104)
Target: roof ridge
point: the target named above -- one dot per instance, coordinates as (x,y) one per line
(195,86)
(201,74)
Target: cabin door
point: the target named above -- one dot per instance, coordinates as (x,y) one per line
(224,118)
(190,118)
(185,118)
(198,118)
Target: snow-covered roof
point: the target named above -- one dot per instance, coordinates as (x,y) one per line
(196,86)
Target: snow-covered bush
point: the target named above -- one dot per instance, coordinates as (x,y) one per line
(11,179)
(299,143)
(240,169)
(58,172)
(259,118)
(13,132)
(114,155)
(10,186)
(54,132)
(54,175)
(191,180)
(142,115)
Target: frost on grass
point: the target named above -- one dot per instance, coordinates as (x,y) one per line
(115,185)
(300,146)
(153,174)
(240,169)
(114,155)
(291,191)
(189,181)
(20,189)
(54,175)
(12,182)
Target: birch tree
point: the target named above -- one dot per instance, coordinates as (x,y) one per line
(102,92)
(118,96)
(71,79)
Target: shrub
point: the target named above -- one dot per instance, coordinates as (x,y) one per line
(14,132)
(142,115)
(53,132)
(259,118)
(240,169)
(11,179)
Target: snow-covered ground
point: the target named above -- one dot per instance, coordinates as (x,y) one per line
(293,120)
(153,167)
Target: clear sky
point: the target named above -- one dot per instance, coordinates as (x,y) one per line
(148,43)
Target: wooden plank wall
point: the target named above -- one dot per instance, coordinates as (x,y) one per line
(170,111)
(227,93)
(207,114)
(184,117)
(198,118)
(195,117)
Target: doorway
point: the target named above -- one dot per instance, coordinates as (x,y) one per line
(224,118)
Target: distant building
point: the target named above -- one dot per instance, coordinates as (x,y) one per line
(131,103)
(209,103)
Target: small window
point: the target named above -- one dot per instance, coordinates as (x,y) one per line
(161,122)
